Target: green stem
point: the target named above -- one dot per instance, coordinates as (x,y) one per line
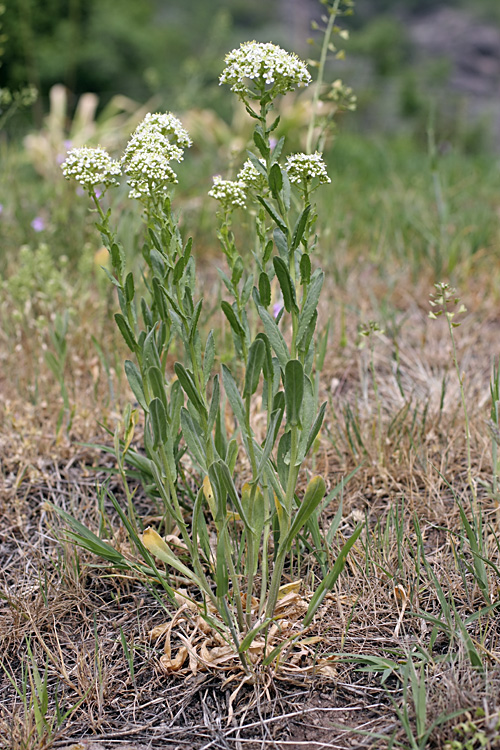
(466,416)
(290,492)
(321,72)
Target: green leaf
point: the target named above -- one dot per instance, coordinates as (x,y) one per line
(316,427)
(178,270)
(286,284)
(310,304)
(275,336)
(256,356)
(275,180)
(299,228)
(220,478)
(257,164)
(214,403)
(117,258)
(283,458)
(194,320)
(129,287)
(134,378)
(267,367)
(329,581)
(305,269)
(111,277)
(273,214)
(150,355)
(279,146)
(193,436)
(209,357)
(156,380)
(264,289)
(237,271)
(267,251)
(315,492)
(250,636)
(272,432)
(294,391)
(159,425)
(281,243)
(189,388)
(234,397)
(233,320)
(126,332)
(260,142)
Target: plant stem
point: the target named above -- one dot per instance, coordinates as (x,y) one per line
(321,72)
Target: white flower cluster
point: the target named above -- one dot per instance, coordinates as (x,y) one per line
(306,167)
(267,64)
(230,194)
(158,140)
(251,177)
(91,167)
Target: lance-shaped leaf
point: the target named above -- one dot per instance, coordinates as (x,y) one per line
(135,382)
(150,355)
(129,287)
(222,482)
(315,492)
(214,403)
(233,396)
(294,391)
(187,382)
(259,141)
(117,258)
(310,304)
(159,548)
(305,269)
(257,164)
(275,180)
(126,332)
(193,436)
(156,381)
(299,228)
(264,289)
(232,318)
(208,357)
(272,431)
(281,243)
(305,446)
(286,284)
(275,336)
(159,424)
(256,356)
(273,213)
(329,581)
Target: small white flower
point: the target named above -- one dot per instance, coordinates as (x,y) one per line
(158,140)
(251,177)
(91,167)
(229,193)
(306,167)
(266,64)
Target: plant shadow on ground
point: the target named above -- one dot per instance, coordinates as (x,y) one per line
(78,637)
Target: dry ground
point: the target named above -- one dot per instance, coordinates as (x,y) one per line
(75,617)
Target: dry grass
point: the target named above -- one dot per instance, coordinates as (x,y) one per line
(75,616)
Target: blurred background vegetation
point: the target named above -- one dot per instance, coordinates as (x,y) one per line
(172,50)
(415,178)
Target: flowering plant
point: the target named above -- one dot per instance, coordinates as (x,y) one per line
(256,522)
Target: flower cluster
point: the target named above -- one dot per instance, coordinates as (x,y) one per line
(250,176)
(267,65)
(230,194)
(304,167)
(158,140)
(91,167)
